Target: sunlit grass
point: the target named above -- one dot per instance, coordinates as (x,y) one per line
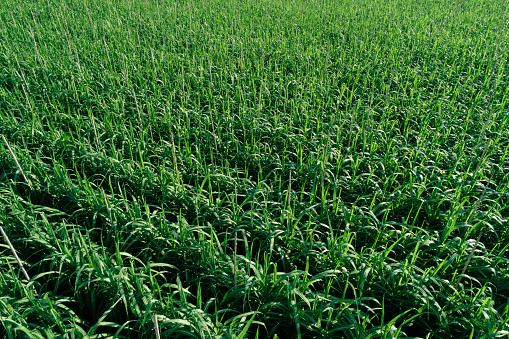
(284,169)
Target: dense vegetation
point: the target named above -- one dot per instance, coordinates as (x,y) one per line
(252,169)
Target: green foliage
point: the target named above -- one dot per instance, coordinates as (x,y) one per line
(254,169)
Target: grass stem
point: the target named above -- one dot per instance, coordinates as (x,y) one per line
(16,256)
(288,205)
(137,108)
(156,326)
(235,260)
(323,164)
(16,161)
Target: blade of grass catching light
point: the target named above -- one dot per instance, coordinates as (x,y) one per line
(16,161)
(16,256)
(156,326)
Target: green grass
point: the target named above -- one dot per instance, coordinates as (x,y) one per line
(254,169)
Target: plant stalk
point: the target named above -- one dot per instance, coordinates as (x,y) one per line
(16,256)
(235,261)
(17,163)
(323,163)
(156,326)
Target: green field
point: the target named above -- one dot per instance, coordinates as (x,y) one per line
(254,169)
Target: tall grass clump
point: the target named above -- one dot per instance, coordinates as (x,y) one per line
(254,169)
